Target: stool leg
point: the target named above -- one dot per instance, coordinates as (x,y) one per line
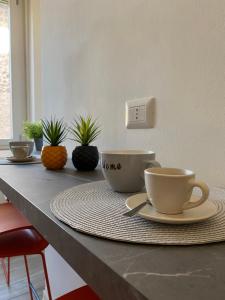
(6,270)
(46,275)
(28,276)
(8,277)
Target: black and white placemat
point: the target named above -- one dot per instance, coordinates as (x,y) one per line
(94,209)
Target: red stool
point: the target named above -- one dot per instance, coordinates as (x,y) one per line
(19,238)
(83,293)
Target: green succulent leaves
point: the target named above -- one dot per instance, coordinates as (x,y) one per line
(54,131)
(84,130)
(32,130)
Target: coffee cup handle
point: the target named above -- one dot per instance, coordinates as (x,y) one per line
(205,194)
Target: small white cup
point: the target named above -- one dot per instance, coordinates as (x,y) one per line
(20,152)
(170,189)
(23,143)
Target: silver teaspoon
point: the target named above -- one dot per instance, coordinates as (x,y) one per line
(136,209)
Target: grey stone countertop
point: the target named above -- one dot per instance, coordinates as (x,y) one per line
(115,270)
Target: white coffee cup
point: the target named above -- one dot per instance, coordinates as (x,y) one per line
(124,169)
(23,143)
(20,152)
(170,189)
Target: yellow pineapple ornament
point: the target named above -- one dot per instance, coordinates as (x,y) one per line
(54,156)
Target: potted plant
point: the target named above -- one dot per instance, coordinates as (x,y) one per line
(54,156)
(85,131)
(33,130)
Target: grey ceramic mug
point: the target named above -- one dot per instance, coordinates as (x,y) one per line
(124,169)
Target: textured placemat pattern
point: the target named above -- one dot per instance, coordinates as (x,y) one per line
(93,208)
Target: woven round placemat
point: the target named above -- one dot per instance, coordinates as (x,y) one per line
(93,208)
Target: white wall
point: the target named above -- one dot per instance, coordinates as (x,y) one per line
(98,53)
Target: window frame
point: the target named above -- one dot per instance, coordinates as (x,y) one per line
(18,72)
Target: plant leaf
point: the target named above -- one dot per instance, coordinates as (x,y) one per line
(84,130)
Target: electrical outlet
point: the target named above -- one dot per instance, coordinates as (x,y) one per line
(139,113)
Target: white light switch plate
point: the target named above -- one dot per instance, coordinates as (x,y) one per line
(139,113)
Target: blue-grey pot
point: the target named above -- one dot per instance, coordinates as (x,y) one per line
(38,144)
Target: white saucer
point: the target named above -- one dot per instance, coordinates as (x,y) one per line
(198,214)
(15,159)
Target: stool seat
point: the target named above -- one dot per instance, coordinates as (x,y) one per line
(11,219)
(19,238)
(83,293)
(20,242)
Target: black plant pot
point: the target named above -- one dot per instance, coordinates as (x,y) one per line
(85,158)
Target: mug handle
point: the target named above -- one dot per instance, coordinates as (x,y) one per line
(205,194)
(152,163)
